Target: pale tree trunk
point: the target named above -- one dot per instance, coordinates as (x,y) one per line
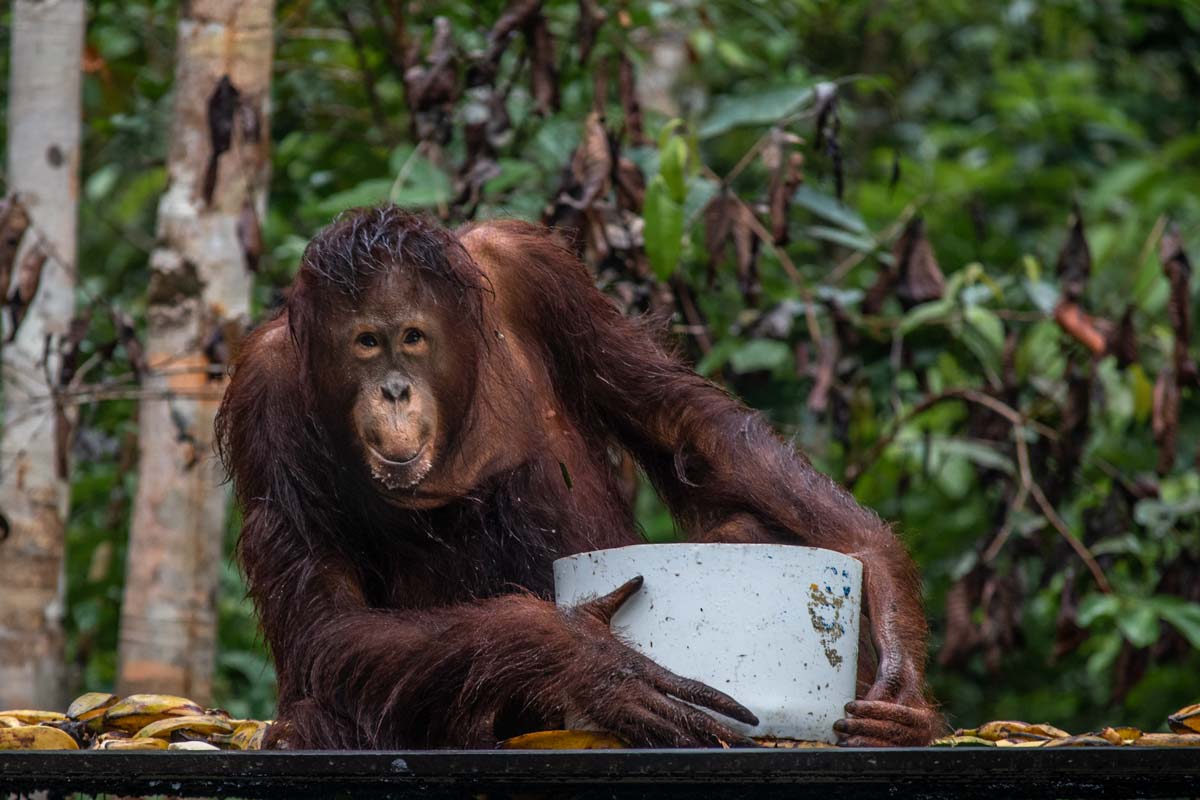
(199,296)
(43,171)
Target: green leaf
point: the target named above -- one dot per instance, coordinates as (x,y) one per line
(672,166)
(419,183)
(754,109)
(760,354)
(827,207)
(979,454)
(926,314)
(1184,616)
(1138,623)
(854,241)
(513,174)
(1095,607)
(367,193)
(987,328)
(663,229)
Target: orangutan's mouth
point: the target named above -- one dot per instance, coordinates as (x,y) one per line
(400,462)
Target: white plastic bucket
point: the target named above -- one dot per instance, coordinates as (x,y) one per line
(774,626)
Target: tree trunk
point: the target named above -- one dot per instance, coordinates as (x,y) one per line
(43,171)
(198,304)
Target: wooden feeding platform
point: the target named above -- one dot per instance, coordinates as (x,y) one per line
(960,772)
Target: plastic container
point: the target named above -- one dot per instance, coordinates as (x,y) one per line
(774,626)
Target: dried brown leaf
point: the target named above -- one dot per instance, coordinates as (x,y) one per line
(249,234)
(14,220)
(592,164)
(1122,342)
(1089,331)
(591,18)
(1179,306)
(1074,261)
(25,286)
(818,398)
(1164,421)
(627,88)
(919,278)
(785,164)
(631,185)
(543,73)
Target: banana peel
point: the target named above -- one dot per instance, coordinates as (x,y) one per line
(137,711)
(1159,740)
(27,716)
(563,740)
(122,741)
(962,740)
(1015,729)
(36,737)
(204,725)
(91,705)
(1185,720)
(248,735)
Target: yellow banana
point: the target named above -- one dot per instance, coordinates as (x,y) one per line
(92,704)
(1013,729)
(792,744)
(1185,720)
(1157,740)
(202,725)
(563,740)
(962,739)
(121,741)
(9,722)
(139,710)
(36,737)
(1124,735)
(30,717)
(248,735)
(1082,740)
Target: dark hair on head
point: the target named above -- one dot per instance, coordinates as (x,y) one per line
(363,243)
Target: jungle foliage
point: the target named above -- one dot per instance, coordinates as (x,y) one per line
(944,245)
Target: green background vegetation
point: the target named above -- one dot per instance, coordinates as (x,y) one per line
(990,119)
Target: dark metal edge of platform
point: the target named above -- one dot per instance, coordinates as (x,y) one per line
(961,772)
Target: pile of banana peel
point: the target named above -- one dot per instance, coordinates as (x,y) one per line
(100,721)
(1184,724)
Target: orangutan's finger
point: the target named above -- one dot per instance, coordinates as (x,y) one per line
(603,608)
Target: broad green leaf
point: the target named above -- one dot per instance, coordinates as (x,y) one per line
(1183,616)
(984,333)
(979,454)
(514,173)
(827,207)
(1143,392)
(926,314)
(753,109)
(673,165)
(760,354)
(854,241)
(1138,623)
(663,230)
(367,193)
(1095,607)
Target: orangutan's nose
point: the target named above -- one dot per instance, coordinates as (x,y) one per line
(397,389)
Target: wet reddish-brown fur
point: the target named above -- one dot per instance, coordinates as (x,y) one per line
(411,628)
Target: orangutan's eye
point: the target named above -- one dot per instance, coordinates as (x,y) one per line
(413,336)
(367,340)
